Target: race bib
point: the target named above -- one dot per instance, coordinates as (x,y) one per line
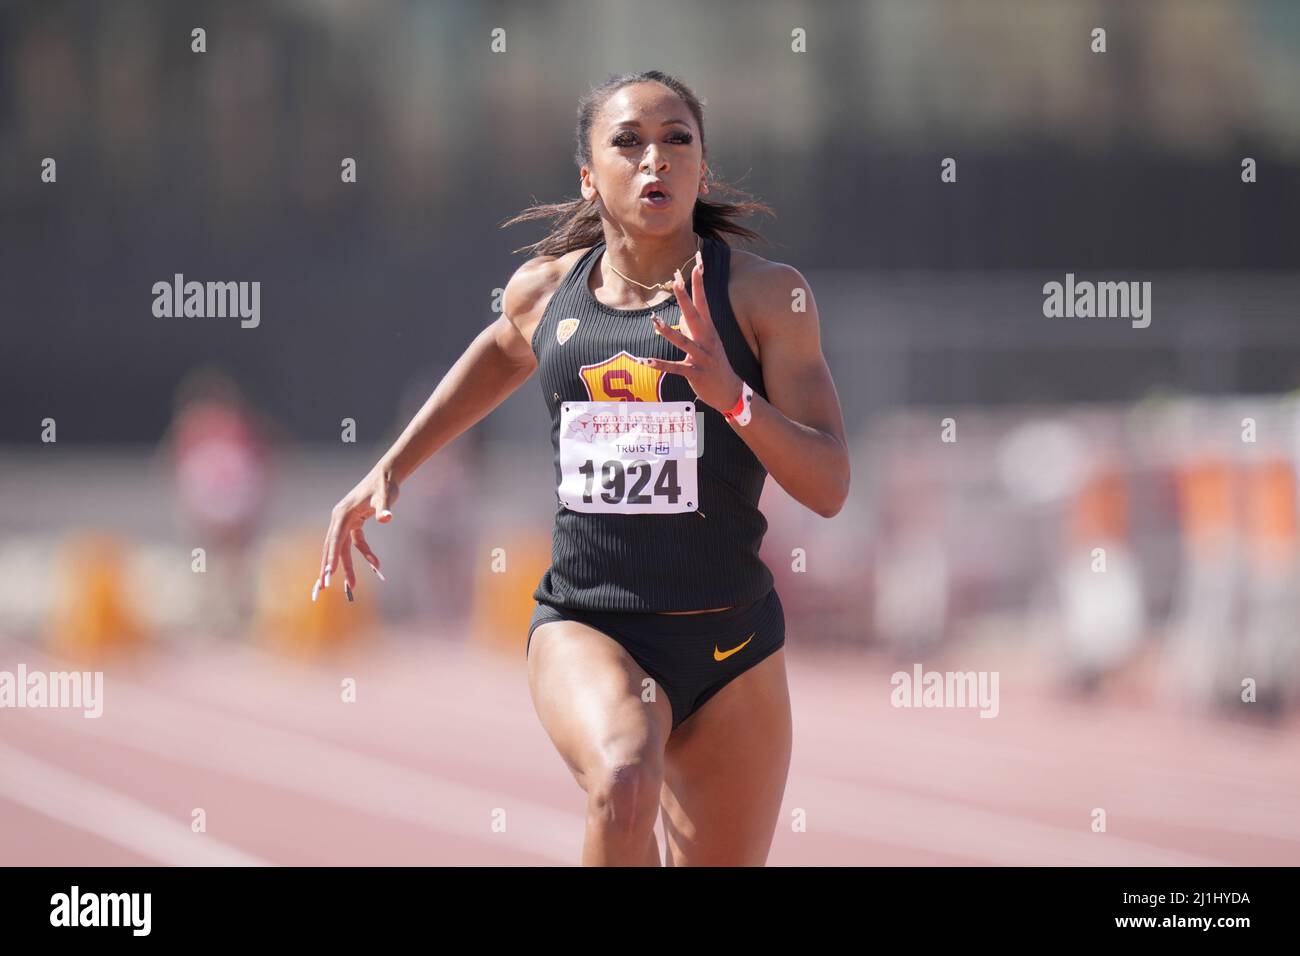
(630,457)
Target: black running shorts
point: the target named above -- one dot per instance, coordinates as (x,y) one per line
(691,656)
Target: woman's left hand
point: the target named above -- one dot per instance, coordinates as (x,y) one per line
(706,367)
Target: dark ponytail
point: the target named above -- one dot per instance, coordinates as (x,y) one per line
(576,224)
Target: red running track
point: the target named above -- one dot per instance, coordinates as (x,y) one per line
(441,761)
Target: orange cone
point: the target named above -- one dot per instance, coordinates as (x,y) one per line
(93,615)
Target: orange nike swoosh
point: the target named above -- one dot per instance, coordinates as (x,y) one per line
(723,655)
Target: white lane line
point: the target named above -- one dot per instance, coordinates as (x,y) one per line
(140,719)
(378,787)
(402,724)
(913,822)
(1247,755)
(1168,796)
(84,805)
(1179,802)
(1182,796)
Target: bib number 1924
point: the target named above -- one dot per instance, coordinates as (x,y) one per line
(614,481)
(629,457)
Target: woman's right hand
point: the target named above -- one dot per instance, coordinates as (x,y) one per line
(374,495)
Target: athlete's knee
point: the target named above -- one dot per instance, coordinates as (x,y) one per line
(623,795)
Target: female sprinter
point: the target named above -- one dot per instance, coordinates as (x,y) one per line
(655,653)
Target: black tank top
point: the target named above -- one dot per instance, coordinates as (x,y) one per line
(691,560)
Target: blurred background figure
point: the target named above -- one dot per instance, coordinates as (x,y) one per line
(1269,648)
(1208,603)
(222,473)
(1102,604)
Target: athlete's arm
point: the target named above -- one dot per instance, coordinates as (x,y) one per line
(798,432)
(497,362)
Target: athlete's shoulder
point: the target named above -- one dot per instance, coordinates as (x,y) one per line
(752,274)
(531,287)
(763,290)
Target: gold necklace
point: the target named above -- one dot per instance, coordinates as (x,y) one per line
(661,286)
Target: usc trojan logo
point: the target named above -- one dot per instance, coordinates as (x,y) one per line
(620,379)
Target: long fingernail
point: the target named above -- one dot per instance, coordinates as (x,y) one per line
(315,589)
(377,571)
(347,589)
(327,579)
(699,259)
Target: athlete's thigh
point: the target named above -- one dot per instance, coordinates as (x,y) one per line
(587,691)
(725,771)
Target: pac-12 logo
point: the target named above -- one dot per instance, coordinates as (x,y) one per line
(565,328)
(621,379)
